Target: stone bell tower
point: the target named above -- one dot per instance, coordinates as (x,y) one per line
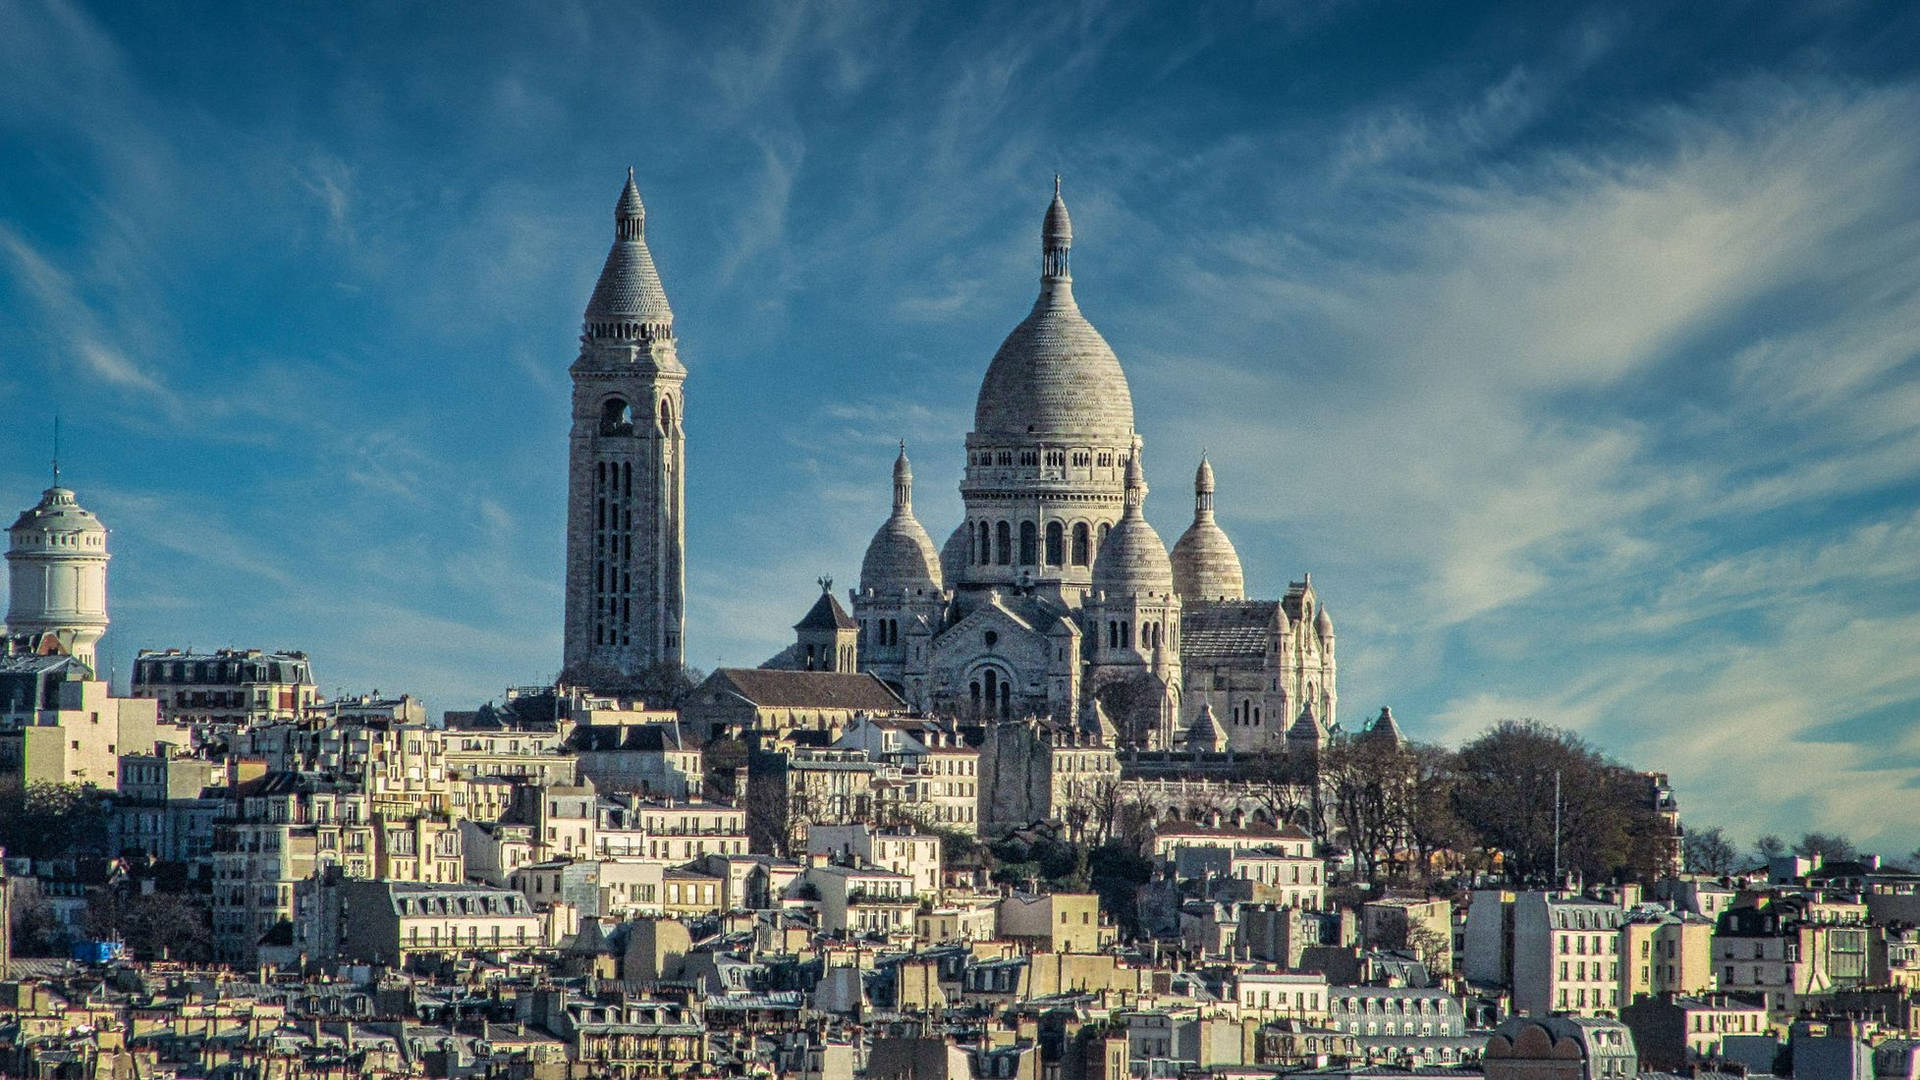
(626,484)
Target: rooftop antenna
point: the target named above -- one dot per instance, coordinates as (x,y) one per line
(56,448)
(1557,883)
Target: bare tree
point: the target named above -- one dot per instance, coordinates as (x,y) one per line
(1708,851)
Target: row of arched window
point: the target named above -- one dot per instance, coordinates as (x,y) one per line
(630,331)
(881,632)
(616,417)
(991,694)
(1153,634)
(1056,459)
(613,552)
(993,544)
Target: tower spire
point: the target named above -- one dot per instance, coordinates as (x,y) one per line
(902,482)
(630,214)
(1203,490)
(1136,492)
(1056,239)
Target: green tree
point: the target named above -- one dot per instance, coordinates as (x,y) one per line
(43,820)
(156,926)
(662,686)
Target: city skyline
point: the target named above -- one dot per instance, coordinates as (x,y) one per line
(1571,351)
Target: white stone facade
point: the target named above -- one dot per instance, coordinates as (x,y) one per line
(1054,587)
(57,574)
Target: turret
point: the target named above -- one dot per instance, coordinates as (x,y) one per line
(57,575)
(827,637)
(1205,564)
(901,554)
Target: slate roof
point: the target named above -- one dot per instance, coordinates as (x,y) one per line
(826,614)
(810,689)
(651,738)
(1226,629)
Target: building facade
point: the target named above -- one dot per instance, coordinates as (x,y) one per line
(228,688)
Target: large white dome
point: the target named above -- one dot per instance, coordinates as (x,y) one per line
(1055,376)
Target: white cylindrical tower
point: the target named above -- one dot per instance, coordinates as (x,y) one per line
(57,574)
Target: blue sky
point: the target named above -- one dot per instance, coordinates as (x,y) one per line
(1572,347)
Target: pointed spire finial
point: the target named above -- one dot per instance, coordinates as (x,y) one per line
(630,214)
(56,448)
(1056,238)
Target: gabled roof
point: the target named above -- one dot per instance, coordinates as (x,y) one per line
(808,689)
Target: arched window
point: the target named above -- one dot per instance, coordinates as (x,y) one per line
(1081,556)
(1003,543)
(1103,538)
(991,680)
(666,416)
(1029,544)
(616,417)
(986,544)
(974,688)
(1056,544)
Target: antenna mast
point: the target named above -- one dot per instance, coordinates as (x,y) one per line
(1556,829)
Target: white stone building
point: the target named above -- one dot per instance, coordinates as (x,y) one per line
(57,576)
(1055,589)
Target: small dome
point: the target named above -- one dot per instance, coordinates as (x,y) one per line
(1205,564)
(1133,558)
(1055,375)
(1323,623)
(901,555)
(953,554)
(58,512)
(1057,229)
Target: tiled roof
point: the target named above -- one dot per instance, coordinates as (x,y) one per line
(1226,629)
(809,689)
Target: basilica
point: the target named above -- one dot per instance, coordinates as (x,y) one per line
(1053,600)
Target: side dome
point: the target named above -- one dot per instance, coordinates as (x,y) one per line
(1054,374)
(1133,558)
(901,555)
(953,554)
(1205,564)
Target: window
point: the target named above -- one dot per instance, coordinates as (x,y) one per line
(1029,544)
(1003,543)
(1081,555)
(1056,544)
